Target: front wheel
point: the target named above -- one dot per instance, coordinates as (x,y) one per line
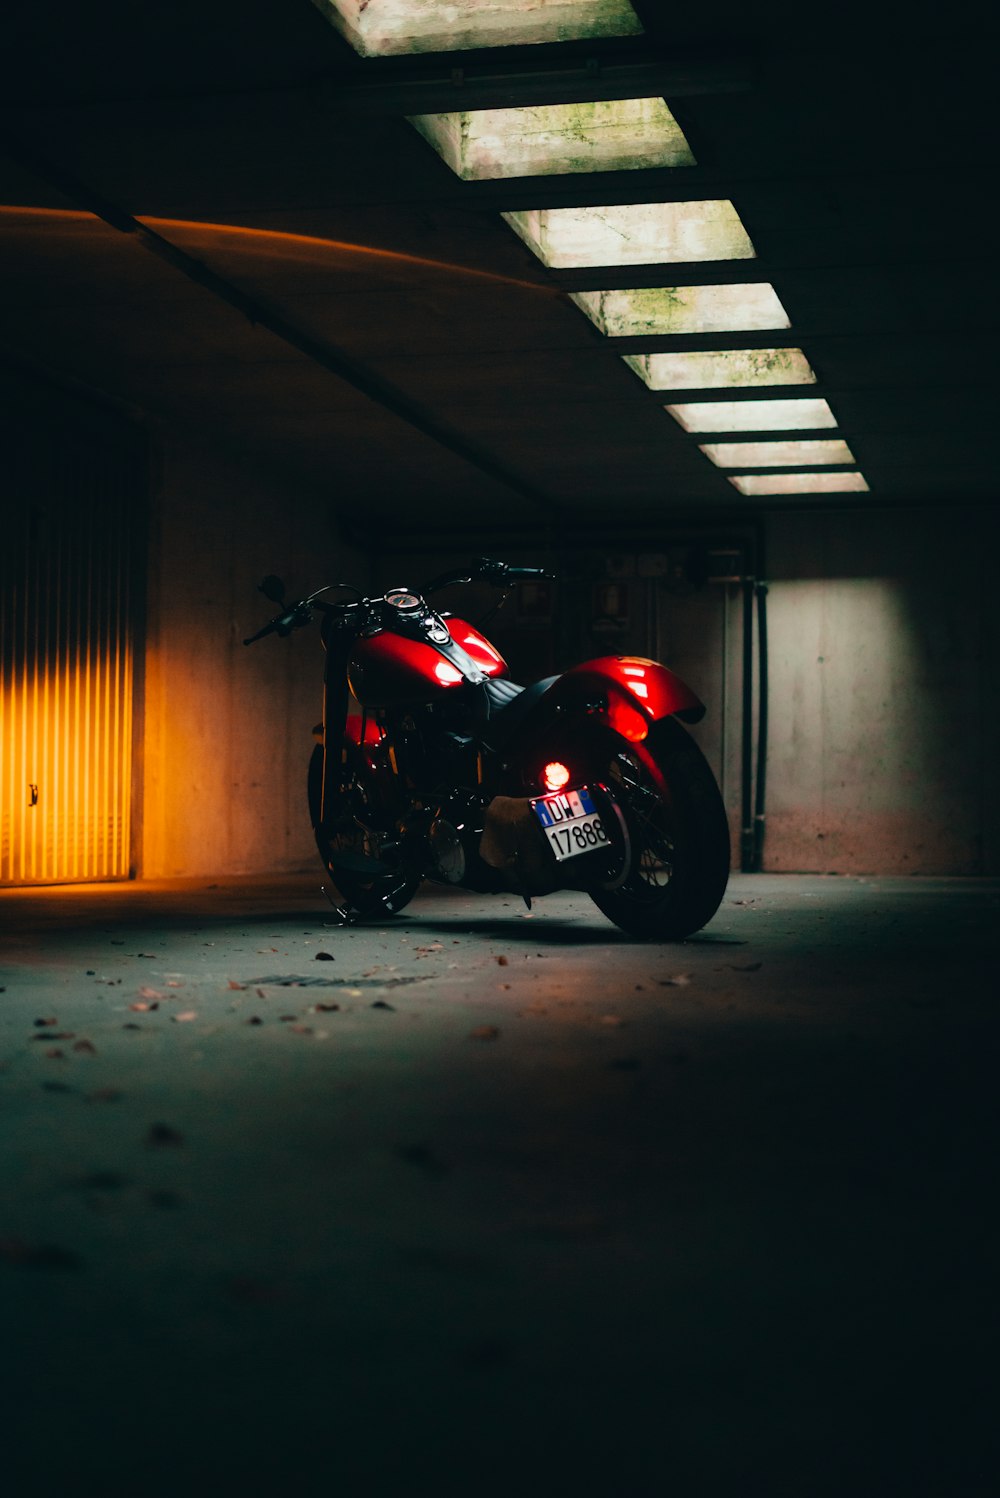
(355,851)
(679,833)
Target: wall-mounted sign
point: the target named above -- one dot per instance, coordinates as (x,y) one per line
(533,603)
(610,607)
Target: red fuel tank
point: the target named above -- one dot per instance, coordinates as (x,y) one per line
(486,656)
(388,668)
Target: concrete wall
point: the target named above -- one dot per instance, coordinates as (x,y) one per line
(227,730)
(885,733)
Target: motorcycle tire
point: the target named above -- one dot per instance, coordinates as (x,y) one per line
(365,894)
(680,837)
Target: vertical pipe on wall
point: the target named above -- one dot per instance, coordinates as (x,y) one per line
(762,687)
(746,775)
(724,694)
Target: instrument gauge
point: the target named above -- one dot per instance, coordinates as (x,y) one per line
(398,599)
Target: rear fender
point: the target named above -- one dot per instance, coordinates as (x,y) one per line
(623,695)
(628,693)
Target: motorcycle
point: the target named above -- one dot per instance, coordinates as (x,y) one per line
(445,769)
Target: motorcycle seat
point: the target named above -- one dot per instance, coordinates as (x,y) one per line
(509,705)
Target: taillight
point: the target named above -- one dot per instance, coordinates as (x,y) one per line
(555,776)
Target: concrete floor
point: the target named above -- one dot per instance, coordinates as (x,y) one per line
(508,1202)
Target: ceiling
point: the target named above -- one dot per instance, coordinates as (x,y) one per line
(217,215)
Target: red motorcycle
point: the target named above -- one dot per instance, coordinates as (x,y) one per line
(446,770)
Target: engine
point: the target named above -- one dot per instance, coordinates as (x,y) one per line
(453,839)
(498,845)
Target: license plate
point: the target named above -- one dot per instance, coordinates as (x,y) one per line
(571,823)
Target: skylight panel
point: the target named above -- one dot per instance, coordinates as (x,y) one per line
(634,233)
(378,27)
(791,454)
(775,415)
(799,483)
(722,369)
(610,135)
(684,309)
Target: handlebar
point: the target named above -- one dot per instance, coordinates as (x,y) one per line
(283,624)
(486,570)
(298,615)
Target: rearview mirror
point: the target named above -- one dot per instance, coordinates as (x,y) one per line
(272,587)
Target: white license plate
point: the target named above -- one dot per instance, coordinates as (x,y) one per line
(571,823)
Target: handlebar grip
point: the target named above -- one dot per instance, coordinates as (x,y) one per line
(525,572)
(297,617)
(268,629)
(501,573)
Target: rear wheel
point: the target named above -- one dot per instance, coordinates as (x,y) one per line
(358,853)
(680,837)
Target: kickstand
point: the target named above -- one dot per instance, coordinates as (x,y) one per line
(343,912)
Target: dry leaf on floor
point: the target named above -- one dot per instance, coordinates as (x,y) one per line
(252,1291)
(37,1255)
(165,1200)
(485,1032)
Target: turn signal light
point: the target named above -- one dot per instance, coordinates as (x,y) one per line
(555,776)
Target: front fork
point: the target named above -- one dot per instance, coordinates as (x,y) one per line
(336,695)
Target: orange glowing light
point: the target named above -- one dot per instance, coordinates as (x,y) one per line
(555,776)
(271,241)
(65,746)
(66,683)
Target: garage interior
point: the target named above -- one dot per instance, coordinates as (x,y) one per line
(695,310)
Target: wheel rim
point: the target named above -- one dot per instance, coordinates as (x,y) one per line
(649,819)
